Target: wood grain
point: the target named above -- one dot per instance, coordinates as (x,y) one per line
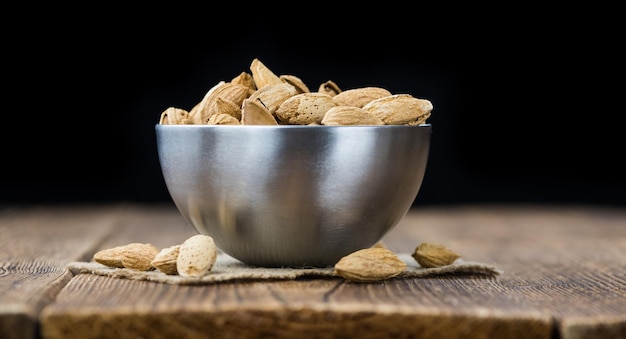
(564,276)
(32,262)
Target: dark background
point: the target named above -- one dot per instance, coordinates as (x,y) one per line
(528,104)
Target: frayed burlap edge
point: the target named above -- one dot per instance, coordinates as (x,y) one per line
(227,268)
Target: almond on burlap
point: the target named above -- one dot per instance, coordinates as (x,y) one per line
(196,256)
(165,260)
(370,264)
(136,256)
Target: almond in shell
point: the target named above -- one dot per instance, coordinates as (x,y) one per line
(175,116)
(136,256)
(370,264)
(304,108)
(254,112)
(358,97)
(349,115)
(232,92)
(400,109)
(245,78)
(272,96)
(430,255)
(296,82)
(196,256)
(262,75)
(329,87)
(165,260)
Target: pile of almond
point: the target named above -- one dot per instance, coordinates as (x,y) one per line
(261,97)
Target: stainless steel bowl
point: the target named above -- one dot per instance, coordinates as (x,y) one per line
(293,196)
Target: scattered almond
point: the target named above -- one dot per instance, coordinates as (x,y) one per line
(434,255)
(370,264)
(165,260)
(196,256)
(136,256)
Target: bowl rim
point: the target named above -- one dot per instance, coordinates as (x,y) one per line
(425,125)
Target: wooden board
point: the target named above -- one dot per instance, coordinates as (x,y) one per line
(564,275)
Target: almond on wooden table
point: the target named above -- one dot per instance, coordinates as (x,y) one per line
(430,255)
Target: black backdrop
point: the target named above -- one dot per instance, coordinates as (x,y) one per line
(527,108)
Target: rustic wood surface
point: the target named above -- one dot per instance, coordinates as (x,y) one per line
(563,276)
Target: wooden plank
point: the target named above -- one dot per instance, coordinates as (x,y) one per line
(568,260)
(37,243)
(540,252)
(329,307)
(563,276)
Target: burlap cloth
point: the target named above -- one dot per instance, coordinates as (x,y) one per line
(227,268)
